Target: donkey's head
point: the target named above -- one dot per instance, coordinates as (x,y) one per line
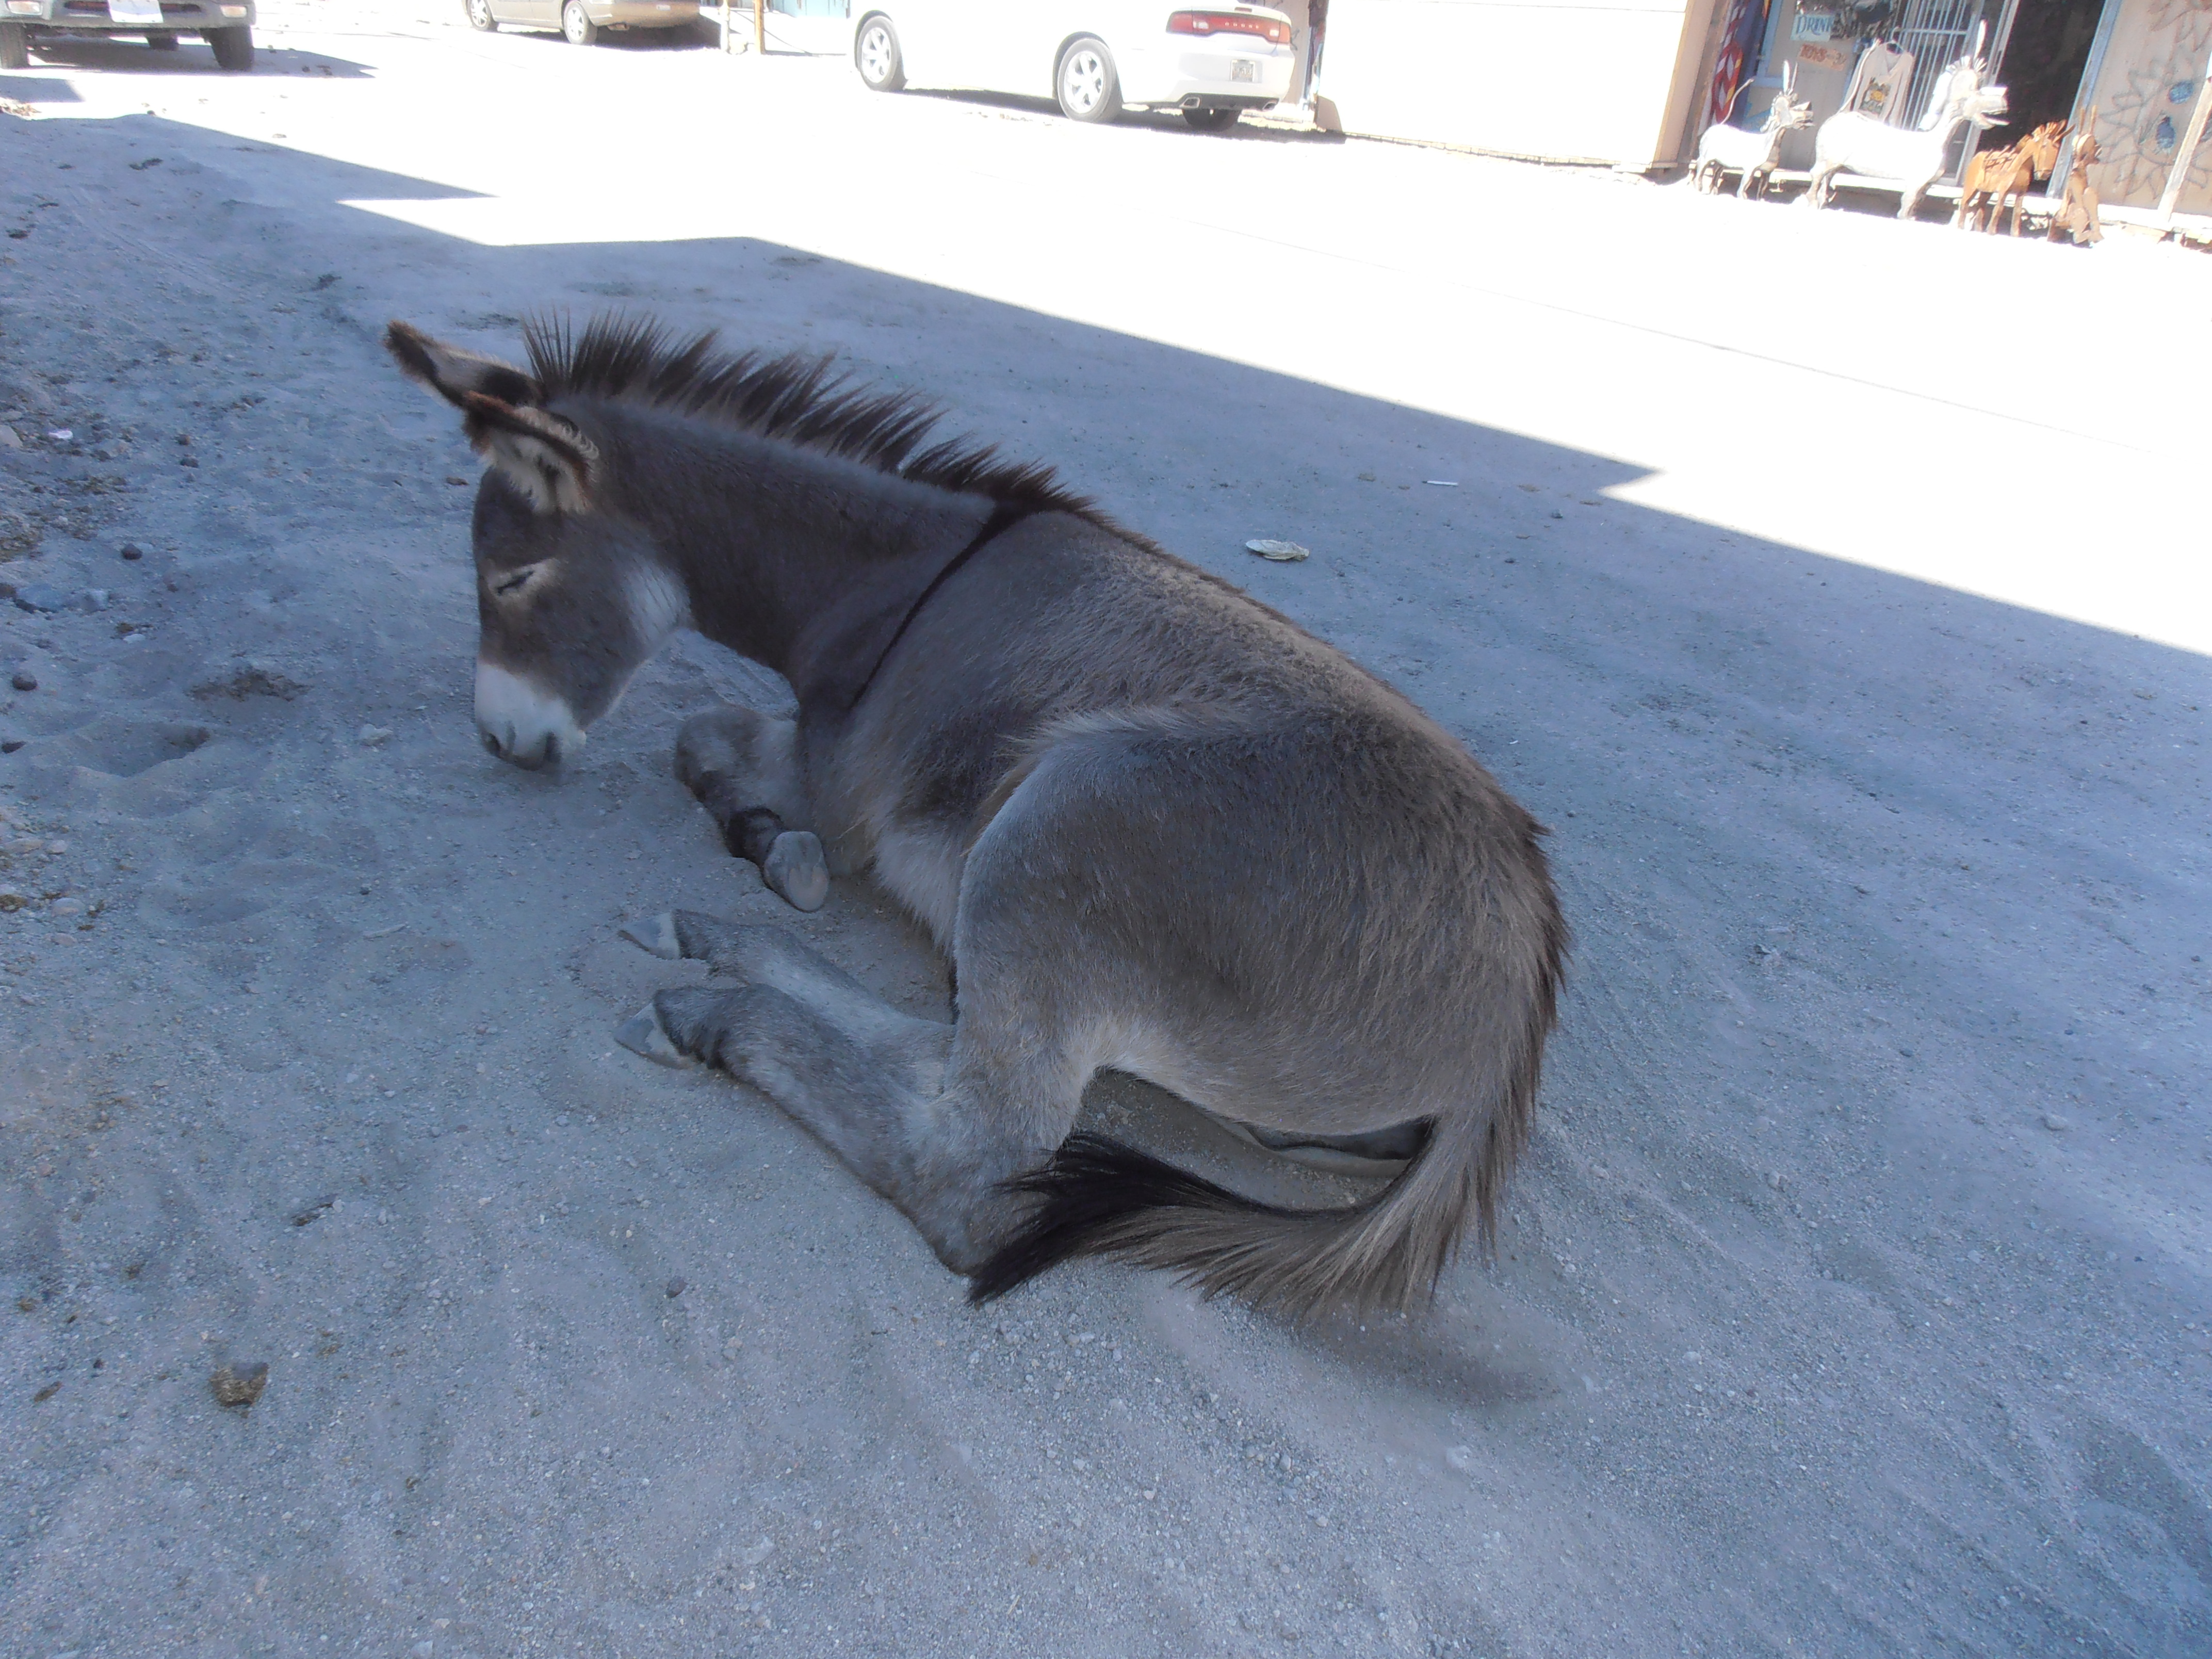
(1788,112)
(571,596)
(1962,95)
(2042,147)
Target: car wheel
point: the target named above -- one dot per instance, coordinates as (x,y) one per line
(15,46)
(1211,120)
(233,48)
(163,41)
(480,16)
(1088,88)
(577,25)
(876,55)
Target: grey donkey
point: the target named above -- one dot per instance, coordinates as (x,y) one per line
(1156,826)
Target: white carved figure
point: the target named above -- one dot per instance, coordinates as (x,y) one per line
(1725,149)
(1905,159)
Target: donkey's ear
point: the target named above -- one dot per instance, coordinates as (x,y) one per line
(455,374)
(542,455)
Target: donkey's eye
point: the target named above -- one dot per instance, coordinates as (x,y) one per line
(514,582)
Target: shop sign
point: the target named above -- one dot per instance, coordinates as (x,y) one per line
(1825,57)
(1812,26)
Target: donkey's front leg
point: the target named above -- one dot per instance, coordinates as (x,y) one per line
(740,765)
(935,1119)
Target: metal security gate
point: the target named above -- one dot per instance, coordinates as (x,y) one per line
(1938,33)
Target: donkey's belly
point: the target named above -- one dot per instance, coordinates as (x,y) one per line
(921,867)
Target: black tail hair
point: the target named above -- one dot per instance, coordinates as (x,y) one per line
(1089,1193)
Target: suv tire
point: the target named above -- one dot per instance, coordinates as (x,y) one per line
(480,16)
(876,55)
(1086,83)
(577,23)
(233,48)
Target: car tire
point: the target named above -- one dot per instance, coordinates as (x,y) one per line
(577,25)
(233,48)
(1211,120)
(15,46)
(876,54)
(162,39)
(480,16)
(1085,82)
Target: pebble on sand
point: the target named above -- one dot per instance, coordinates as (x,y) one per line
(43,599)
(238,1386)
(677,1286)
(24,680)
(2056,1124)
(375,737)
(132,550)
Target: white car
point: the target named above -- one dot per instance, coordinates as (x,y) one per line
(1097,56)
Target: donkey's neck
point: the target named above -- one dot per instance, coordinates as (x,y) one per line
(782,551)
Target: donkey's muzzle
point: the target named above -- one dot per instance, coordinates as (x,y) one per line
(547,752)
(522,723)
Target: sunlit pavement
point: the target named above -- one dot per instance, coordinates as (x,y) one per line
(2011,420)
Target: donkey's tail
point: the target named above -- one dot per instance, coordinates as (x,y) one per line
(1097,1197)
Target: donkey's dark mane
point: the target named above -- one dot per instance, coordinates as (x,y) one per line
(797,398)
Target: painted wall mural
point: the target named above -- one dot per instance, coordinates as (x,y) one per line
(2147,91)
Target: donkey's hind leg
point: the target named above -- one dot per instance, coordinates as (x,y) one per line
(740,765)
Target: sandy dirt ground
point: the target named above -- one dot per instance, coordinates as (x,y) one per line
(1853,1298)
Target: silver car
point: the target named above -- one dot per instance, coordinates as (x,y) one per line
(226,25)
(582,20)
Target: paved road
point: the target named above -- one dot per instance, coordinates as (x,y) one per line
(1828,585)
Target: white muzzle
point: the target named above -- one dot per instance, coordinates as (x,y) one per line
(520,722)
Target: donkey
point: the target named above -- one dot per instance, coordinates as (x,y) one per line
(1156,826)
(1992,175)
(2078,216)
(1725,149)
(1910,159)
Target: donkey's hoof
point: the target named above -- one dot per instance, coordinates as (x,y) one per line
(795,869)
(643,1033)
(655,936)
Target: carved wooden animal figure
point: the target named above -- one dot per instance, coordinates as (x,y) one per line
(2077,214)
(1156,826)
(1724,149)
(1992,176)
(1907,159)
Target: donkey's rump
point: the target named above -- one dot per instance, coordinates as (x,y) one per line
(1298,917)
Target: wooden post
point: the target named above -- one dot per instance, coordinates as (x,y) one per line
(760,26)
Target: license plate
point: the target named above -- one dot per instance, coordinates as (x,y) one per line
(134,11)
(1240,69)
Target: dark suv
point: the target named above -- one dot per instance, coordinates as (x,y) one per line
(226,25)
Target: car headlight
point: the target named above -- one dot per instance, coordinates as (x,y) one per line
(233,11)
(26,8)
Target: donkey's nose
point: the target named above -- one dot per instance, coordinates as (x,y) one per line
(532,757)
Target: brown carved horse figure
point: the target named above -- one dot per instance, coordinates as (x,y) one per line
(1993,175)
(1156,827)
(2077,215)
